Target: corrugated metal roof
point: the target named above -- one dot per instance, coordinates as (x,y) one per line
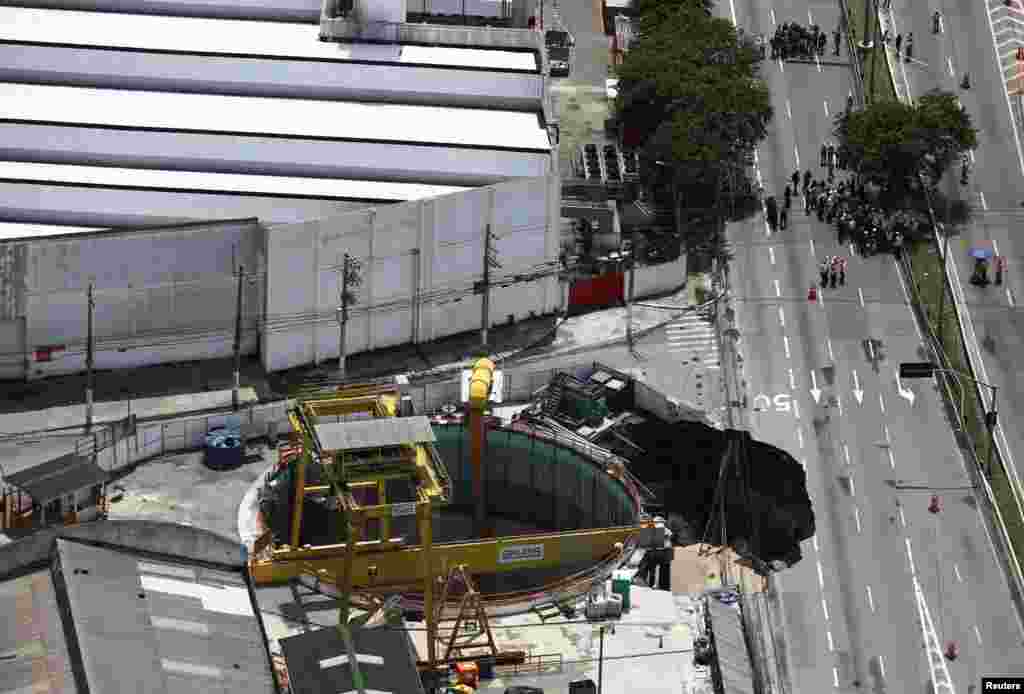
(374,433)
(33,654)
(232,37)
(731,648)
(156,626)
(55,478)
(272,117)
(318,662)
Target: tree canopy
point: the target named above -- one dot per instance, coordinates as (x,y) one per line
(890,143)
(690,91)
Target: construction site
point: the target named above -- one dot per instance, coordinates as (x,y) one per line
(465,528)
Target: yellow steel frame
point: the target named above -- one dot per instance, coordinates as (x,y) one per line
(387,565)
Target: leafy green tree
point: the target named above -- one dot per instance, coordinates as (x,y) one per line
(890,143)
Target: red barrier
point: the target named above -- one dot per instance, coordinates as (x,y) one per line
(603,290)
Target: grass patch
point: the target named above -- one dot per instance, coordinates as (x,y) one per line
(874,59)
(927,274)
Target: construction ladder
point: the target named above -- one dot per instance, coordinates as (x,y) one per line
(470,623)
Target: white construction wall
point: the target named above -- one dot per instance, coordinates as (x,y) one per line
(664,277)
(419,259)
(160,296)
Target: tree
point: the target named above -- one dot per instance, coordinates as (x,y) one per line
(891,143)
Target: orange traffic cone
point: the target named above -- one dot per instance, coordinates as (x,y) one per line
(812,293)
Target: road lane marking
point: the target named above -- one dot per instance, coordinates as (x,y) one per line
(846,453)
(785,343)
(892,460)
(782,317)
(977,634)
(885,428)
(860,295)
(835,677)
(871,600)
(949,64)
(956,572)
(803,464)
(881,402)
(910,556)
(812,247)
(970,153)
(810,18)
(789,110)
(771,253)
(792,380)
(796,155)
(772,12)
(839,404)
(856,517)
(831,645)
(853,251)
(828,343)
(782,66)
(984,203)
(778,289)
(821,575)
(853,491)
(881,666)
(814,541)
(796,409)
(1009,297)
(800,437)
(826,109)
(824,608)
(903,520)
(732,7)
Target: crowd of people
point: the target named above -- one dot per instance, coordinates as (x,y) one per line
(791,40)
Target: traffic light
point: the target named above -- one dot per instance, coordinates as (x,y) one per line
(917,369)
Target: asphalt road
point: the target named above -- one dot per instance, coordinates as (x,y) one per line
(981,40)
(850,613)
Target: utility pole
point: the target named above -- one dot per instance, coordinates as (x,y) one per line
(629,294)
(89,363)
(484,287)
(238,339)
(350,278)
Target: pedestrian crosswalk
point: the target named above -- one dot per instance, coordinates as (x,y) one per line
(692,338)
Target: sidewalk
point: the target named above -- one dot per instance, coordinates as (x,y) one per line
(526,340)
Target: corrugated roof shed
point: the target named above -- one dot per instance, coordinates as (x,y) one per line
(55,478)
(731,648)
(374,433)
(317,661)
(146,625)
(33,655)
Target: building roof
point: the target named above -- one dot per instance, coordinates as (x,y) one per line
(55,478)
(33,652)
(233,37)
(106,607)
(317,661)
(374,433)
(272,117)
(10,231)
(203,182)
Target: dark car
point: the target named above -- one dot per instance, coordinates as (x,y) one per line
(524,690)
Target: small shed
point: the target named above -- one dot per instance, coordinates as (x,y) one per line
(66,489)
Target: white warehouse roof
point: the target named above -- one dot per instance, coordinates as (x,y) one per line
(234,37)
(194,181)
(10,231)
(301,118)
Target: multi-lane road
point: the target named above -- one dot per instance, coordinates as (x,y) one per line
(981,40)
(827,371)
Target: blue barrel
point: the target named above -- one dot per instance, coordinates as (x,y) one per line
(223,448)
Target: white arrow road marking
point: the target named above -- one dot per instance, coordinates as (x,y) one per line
(857,392)
(815,391)
(831,645)
(907,393)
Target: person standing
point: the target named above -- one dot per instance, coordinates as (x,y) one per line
(842,272)
(824,155)
(787,198)
(835,42)
(833,272)
(823,270)
(807,180)
(910,46)
(795,178)
(899,43)
(783,218)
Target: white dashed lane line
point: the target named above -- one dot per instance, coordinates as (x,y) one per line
(903,520)
(871,599)
(956,572)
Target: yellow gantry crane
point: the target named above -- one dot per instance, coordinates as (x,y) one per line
(363,452)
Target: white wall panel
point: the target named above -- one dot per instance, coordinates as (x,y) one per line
(307,11)
(450,229)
